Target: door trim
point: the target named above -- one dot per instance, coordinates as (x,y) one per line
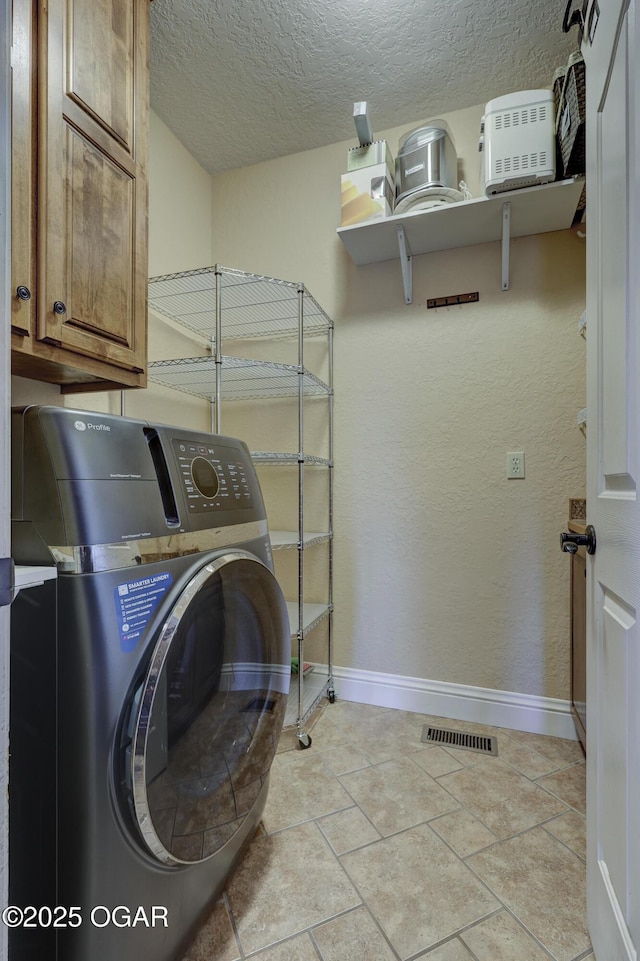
(5,455)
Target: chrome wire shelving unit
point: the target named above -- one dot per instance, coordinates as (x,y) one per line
(219,304)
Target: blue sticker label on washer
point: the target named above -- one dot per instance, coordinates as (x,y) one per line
(135,603)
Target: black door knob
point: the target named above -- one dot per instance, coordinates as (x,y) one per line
(570,542)
(23,292)
(59,307)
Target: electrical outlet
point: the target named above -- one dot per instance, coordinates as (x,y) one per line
(515,464)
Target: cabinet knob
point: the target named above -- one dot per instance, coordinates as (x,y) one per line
(23,293)
(59,307)
(570,542)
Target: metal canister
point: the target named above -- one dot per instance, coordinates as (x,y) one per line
(426,158)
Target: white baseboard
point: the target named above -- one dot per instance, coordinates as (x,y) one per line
(521,712)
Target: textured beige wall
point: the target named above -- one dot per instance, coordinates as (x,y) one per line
(179,205)
(444,570)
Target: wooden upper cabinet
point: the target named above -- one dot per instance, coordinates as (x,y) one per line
(91,187)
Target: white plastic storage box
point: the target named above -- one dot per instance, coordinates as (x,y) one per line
(369,154)
(519,141)
(366,194)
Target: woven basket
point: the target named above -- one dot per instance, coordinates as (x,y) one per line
(570,122)
(557,85)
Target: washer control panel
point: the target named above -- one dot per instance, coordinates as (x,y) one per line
(214,477)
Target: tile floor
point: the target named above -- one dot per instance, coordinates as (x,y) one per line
(377,847)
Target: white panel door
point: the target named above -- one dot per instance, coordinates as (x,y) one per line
(613,482)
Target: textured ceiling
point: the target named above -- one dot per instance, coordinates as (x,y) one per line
(242,81)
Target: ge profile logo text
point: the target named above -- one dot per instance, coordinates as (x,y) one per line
(88,425)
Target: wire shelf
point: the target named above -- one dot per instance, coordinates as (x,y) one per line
(312,615)
(315,687)
(254,305)
(241,379)
(277,458)
(288,540)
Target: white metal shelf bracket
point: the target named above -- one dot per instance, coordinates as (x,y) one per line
(407,265)
(506,240)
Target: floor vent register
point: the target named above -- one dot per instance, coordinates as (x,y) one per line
(460,739)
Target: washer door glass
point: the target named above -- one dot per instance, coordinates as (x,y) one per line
(210,710)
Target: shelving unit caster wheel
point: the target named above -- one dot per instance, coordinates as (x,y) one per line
(304,740)
(332,697)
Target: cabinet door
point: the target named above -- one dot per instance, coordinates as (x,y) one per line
(92,188)
(23,120)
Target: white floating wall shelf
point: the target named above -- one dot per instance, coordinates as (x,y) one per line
(481,220)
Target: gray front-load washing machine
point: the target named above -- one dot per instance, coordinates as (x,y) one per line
(170,674)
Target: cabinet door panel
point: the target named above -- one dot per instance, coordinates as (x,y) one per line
(102,283)
(92,179)
(103,85)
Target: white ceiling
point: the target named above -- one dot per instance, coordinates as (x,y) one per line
(242,81)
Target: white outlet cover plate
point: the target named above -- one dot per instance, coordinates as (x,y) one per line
(515,465)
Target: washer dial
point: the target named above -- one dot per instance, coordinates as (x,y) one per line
(205,477)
